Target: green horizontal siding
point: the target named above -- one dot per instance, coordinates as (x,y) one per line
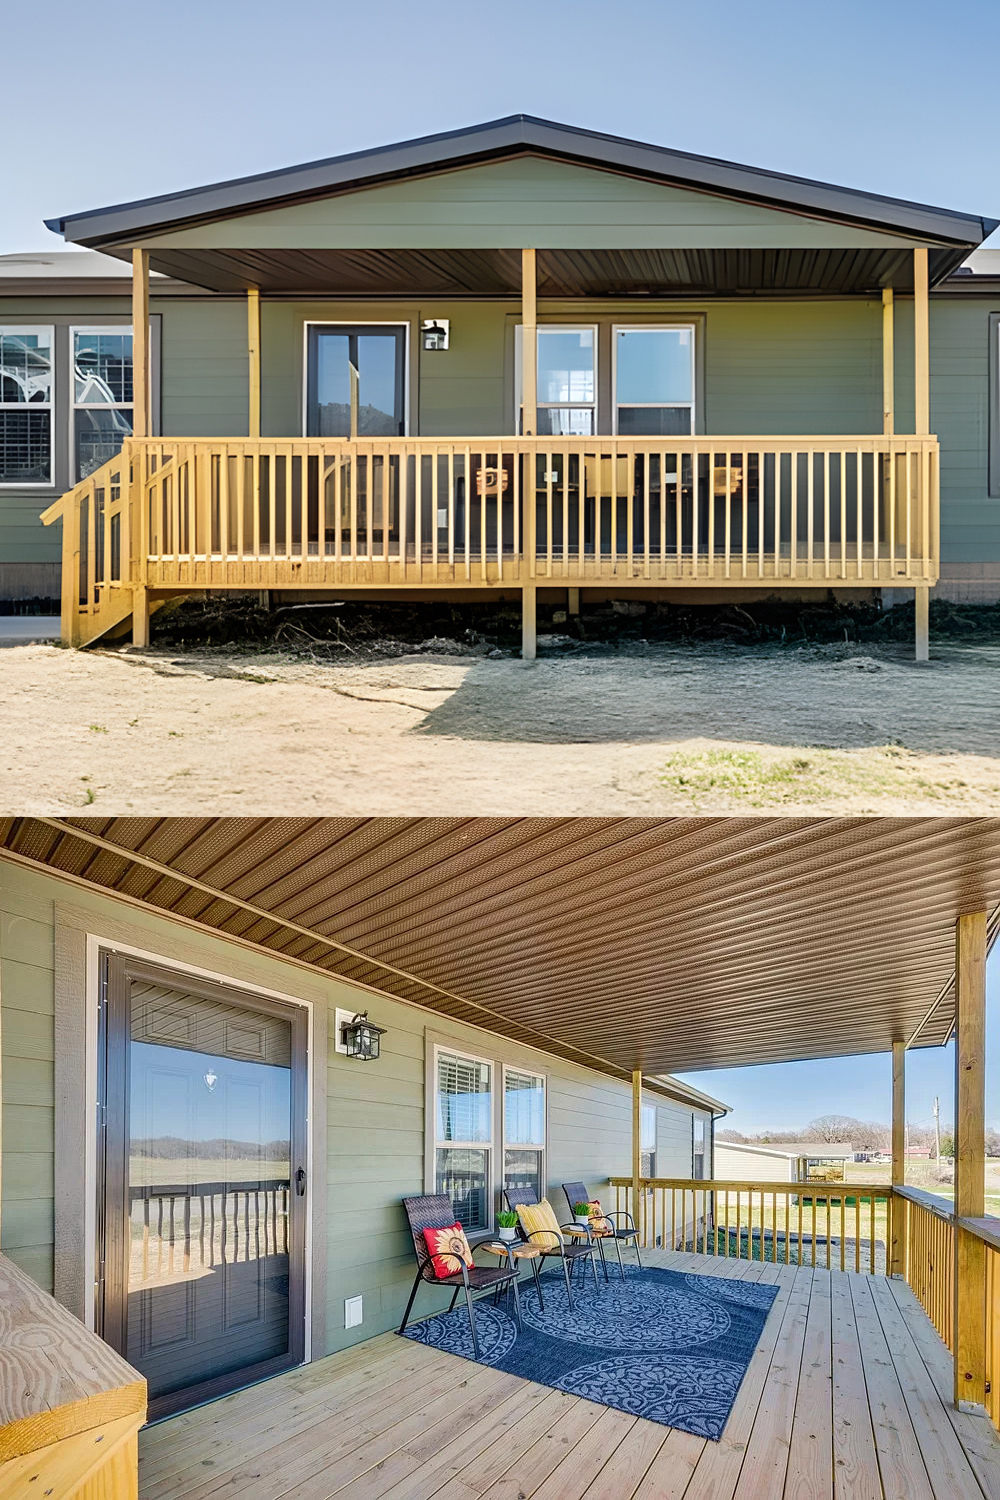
(27,1083)
(526,201)
(374,1142)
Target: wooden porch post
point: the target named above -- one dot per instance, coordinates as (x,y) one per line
(970,1157)
(922,422)
(921,345)
(529,428)
(529,344)
(898,1259)
(636,1143)
(140,343)
(140,428)
(253,351)
(888,363)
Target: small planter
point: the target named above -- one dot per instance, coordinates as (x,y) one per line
(507,1235)
(583,1221)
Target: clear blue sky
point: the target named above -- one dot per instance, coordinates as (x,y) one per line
(787,1095)
(128,100)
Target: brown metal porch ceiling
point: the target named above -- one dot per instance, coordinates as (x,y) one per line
(665,944)
(561,273)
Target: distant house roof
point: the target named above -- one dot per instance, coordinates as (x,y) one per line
(65,270)
(815,1150)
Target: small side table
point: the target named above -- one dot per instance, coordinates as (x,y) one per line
(514,1250)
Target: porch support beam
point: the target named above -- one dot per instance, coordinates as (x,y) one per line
(529,428)
(529,622)
(921,345)
(922,622)
(636,1143)
(970,1157)
(898,1258)
(140,343)
(888,363)
(253,352)
(529,344)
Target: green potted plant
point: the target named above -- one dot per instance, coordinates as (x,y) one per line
(581,1212)
(507,1225)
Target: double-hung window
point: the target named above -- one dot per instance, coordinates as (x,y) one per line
(26,386)
(524,1130)
(654,380)
(567,379)
(699,1139)
(102,396)
(463,1136)
(647,1141)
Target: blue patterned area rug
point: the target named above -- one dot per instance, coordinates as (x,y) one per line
(664,1345)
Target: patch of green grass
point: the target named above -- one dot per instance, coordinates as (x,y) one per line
(758,780)
(90,797)
(98,729)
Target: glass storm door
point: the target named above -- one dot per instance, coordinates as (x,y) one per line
(202,1211)
(355,381)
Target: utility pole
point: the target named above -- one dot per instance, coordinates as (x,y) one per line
(937,1131)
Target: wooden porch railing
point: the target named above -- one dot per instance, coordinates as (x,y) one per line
(844,1226)
(850,1226)
(192,513)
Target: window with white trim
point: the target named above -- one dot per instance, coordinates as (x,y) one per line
(524,1130)
(567,379)
(653,378)
(26,386)
(699,1137)
(102,396)
(463,1136)
(647,1141)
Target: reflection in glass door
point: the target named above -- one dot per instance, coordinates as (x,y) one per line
(203,1192)
(355,380)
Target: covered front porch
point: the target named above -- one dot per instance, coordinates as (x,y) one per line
(848,1394)
(490,457)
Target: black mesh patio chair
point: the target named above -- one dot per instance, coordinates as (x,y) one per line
(435,1211)
(576,1192)
(569,1252)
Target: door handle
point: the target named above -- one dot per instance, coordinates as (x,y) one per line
(300,1181)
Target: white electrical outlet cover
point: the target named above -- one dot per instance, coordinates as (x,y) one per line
(353,1312)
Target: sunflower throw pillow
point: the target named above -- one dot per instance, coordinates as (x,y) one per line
(448,1248)
(599,1224)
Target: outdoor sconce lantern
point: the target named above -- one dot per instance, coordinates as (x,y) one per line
(436,332)
(361,1037)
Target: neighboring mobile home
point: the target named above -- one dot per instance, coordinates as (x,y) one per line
(793,1161)
(498,361)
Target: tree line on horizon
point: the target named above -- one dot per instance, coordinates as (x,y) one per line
(864,1135)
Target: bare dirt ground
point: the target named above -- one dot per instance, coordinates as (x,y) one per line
(644,729)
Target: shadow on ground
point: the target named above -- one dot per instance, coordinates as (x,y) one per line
(827,696)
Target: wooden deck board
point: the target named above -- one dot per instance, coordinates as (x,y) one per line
(846,1395)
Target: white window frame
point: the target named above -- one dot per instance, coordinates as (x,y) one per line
(541,1146)
(74,405)
(595,329)
(692,405)
(488,1146)
(702,1120)
(404,323)
(50,407)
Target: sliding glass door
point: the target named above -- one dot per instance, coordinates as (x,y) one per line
(355,380)
(203,1183)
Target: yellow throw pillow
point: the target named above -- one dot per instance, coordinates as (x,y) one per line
(540,1216)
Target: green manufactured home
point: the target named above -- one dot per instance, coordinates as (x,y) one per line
(515,358)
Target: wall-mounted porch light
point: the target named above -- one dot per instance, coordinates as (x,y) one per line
(436,332)
(361,1037)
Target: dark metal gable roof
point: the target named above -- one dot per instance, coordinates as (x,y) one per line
(519,135)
